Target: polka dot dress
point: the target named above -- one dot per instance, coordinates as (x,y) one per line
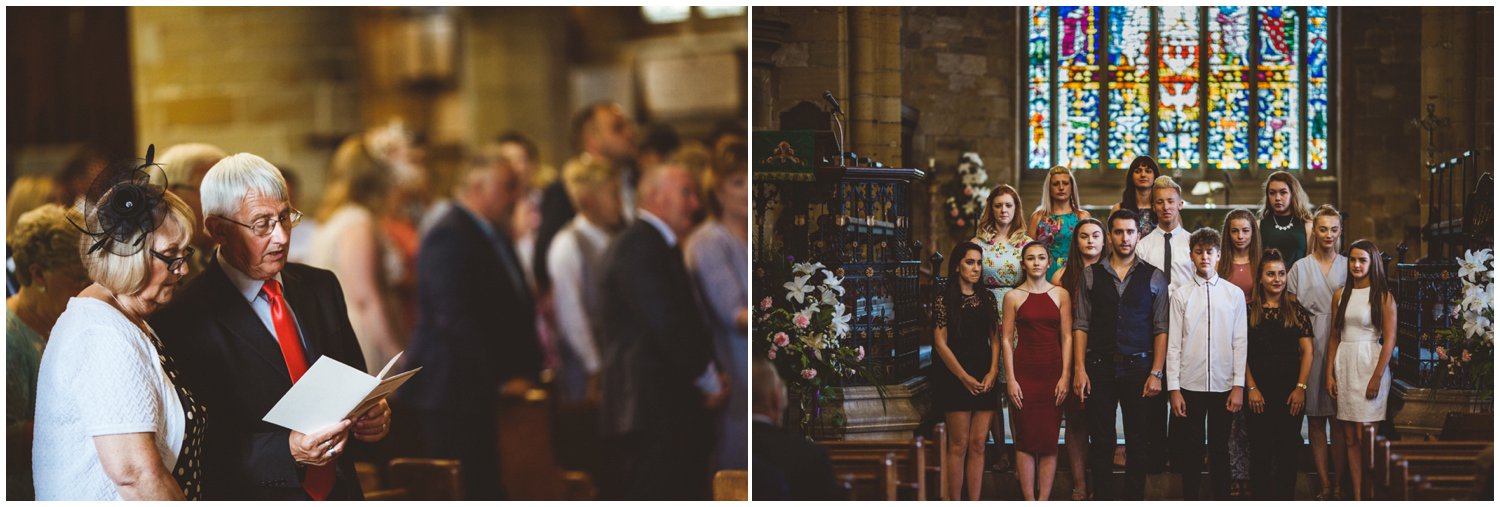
(189,469)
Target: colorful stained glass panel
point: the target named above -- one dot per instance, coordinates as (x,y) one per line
(1078,87)
(1129,87)
(1279,137)
(1228,87)
(1039,90)
(1178,75)
(1317,88)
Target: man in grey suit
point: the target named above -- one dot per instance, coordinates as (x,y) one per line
(655,344)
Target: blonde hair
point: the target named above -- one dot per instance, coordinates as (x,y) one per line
(26,194)
(45,237)
(1045,205)
(1326,210)
(989,225)
(356,176)
(127,274)
(1163,183)
(1299,204)
(583,177)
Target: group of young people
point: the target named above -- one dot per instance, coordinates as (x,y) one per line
(1234,334)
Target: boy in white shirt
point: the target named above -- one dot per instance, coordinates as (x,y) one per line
(1206,345)
(1166,246)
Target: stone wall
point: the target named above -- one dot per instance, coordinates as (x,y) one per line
(959,75)
(265,80)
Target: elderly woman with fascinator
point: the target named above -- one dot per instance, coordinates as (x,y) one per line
(112,421)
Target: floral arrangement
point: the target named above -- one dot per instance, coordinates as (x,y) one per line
(1470,343)
(967,203)
(805,338)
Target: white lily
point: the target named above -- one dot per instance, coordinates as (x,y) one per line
(840,321)
(833,283)
(806,268)
(1473,262)
(1477,326)
(814,340)
(797,289)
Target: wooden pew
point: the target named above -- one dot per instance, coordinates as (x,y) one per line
(863,463)
(937,462)
(1468,426)
(427,479)
(1381,458)
(732,485)
(1406,468)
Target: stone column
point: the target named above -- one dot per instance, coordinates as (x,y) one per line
(874,104)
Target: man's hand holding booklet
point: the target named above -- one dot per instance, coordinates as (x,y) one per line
(330,392)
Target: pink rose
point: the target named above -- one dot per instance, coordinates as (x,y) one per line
(1442,353)
(771,354)
(765,303)
(801,321)
(968,190)
(780,339)
(960,222)
(1467,356)
(809,373)
(953,211)
(859,353)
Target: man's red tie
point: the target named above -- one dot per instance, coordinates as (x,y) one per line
(319,479)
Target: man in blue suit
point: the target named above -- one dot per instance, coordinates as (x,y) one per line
(476,329)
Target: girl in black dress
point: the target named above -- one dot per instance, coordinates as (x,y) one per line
(1280,334)
(966,339)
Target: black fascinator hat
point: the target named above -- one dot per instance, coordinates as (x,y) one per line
(122,206)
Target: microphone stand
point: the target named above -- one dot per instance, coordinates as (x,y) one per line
(838,134)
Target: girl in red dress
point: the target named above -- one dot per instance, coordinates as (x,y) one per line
(1036,343)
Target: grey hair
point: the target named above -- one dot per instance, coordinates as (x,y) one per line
(225,186)
(181,160)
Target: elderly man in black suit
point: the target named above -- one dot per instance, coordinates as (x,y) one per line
(787,466)
(655,344)
(476,327)
(247,329)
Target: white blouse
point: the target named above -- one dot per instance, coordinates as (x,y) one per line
(100,376)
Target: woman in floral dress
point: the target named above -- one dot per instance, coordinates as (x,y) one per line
(1000,235)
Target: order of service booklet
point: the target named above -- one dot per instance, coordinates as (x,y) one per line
(330,392)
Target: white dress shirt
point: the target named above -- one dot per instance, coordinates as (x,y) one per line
(1207,339)
(567,261)
(1152,249)
(260,303)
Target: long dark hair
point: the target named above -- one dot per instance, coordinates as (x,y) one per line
(1290,312)
(1073,269)
(1127,199)
(1378,289)
(953,297)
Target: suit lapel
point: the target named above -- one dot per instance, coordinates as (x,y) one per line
(232,311)
(299,296)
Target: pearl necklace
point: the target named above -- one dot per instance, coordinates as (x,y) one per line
(1280,227)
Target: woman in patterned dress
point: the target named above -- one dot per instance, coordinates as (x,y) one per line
(112,421)
(1055,217)
(1360,345)
(1000,234)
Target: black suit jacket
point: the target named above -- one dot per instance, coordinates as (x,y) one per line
(655,343)
(234,364)
(476,327)
(788,467)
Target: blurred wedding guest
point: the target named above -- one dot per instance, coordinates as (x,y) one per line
(352,243)
(113,422)
(302,236)
(728,131)
(787,466)
(184,166)
(247,330)
(699,161)
(521,152)
(574,263)
(475,326)
(718,254)
(46,245)
(655,345)
(26,193)
(601,130)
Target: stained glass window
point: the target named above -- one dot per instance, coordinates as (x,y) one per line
(1195,87)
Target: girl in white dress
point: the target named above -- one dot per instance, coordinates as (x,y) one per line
(1312,282)
(1360,347)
